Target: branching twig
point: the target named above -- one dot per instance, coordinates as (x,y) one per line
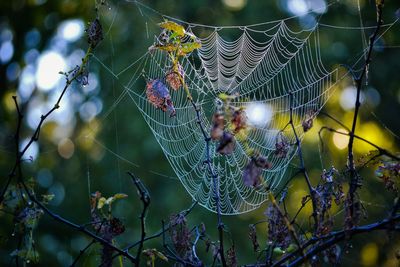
(145,198)
(302,165)
(43,117)
(216,181)
(354,183)
(81,252)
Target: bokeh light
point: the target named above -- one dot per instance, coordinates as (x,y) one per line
(259,114)
(234,4)
(340,140)
(71,30)
(47,74)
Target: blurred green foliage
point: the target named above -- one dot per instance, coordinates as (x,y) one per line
(99,151)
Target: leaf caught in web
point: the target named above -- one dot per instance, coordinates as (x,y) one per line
(308,121)
(174,27)
(175,77)
(158,95)
(187,48)
(217,130)
(239,120)
(252,172)
(226,144)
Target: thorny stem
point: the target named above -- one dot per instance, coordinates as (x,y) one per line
(216,184)
(36,134)
(145,198)
(302,165)
(354,183)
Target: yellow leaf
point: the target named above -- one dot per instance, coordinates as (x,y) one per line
(120,195)
(101,202)
(187,48)
(174,27)
(168,48)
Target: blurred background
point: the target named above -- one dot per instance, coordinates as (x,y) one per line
(95,137)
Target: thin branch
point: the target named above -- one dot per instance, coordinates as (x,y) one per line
(145,198)
(75,226)
(216,183)
(381,150)
(302,165)
(339,236)
(81,252)
(163,230)
(36,134)
(354,183)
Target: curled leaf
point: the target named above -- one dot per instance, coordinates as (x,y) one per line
(217,129)
(94,33)
(252,172)
(226,144)
(239,120)
(281,148)
(175,77)
(158,95)
(308,121)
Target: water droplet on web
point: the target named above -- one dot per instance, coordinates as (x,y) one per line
(29,203)
(28,261)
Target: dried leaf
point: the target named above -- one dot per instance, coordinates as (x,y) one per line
(239,120)
(252,172)
(308,121)
(226,144)
(94,33)
(175,77)
(158,94)
(174,27)
(253,237)
(217,130)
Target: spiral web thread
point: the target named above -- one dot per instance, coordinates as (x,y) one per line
(266,64)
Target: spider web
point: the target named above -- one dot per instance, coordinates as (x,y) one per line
(267,64)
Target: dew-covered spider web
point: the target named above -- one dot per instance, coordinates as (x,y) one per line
(270,70)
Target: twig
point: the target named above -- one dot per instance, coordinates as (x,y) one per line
(145,198)
(339,236)
(381,150)
(77,227)
(354,183)
(163,230)
(302,165)
(81,252)
(215,179)
(36,134)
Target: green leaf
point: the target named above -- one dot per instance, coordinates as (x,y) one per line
(47,198)
(174,27)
